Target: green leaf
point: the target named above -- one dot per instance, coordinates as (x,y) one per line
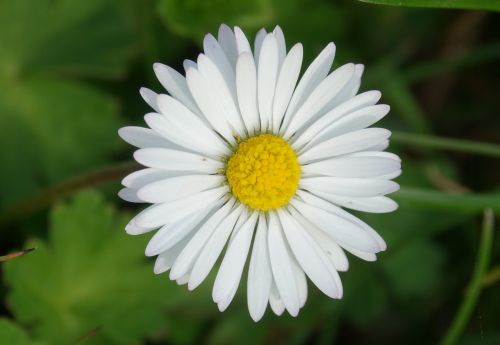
(432,199)
(365,295)
(52,129)
(89,275)
(193,18)
(87,38)
(452,144)
(12,334)
(414,270)
(492,5)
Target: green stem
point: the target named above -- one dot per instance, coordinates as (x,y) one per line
(491,277)
(435,142)
(428,69)
(474,289)
(51,194)
(432,199)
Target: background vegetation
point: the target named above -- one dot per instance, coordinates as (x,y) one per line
(69,77)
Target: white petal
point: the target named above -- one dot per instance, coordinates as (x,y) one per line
(377,154)
(132,228)
(241,41)
(183,280)
(169,235)
(347,143)
(358,187)
(330,247)
(362,100)
(142,177)
(215,52)
(193,128)
(175,160)
(130,195)
(349,90)
(321,98)
(259,273)
(222,93)
(165,260)
(246,86)
(171,212)
(288,76)
(357,120)
(391,176)
(329,207)
(340,229)
(143,137)
(166,128)
(267,74)
(149,96)
(354,84)
(187,257)
(204,96)
(187,64)
(360,254)
(277,305)
(259,39)
(224,303)
(301,280)
(227,41)
(377,204)
(280,39)
(234,260)
(212,249)
(354,165)
(281,266)
(176,85)
(379,146)
(311,257)
(314,74)
(178,187)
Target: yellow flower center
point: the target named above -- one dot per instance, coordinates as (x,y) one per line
(263,172)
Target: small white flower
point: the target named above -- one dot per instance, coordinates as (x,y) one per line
(242,154)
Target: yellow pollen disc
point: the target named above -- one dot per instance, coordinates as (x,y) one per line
(263,172)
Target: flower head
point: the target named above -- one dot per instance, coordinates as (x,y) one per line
(245,157)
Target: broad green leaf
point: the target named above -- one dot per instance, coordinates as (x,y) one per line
(12,334)
(50,130)
(415,269)
(53,127)
(193,18)
(492,5)
(89,275)
(87,38)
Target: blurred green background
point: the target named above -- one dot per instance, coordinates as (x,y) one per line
(70,72)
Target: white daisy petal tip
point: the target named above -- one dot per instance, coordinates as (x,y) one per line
(157,67)
(240,118)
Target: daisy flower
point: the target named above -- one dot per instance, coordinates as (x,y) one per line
(245,157)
